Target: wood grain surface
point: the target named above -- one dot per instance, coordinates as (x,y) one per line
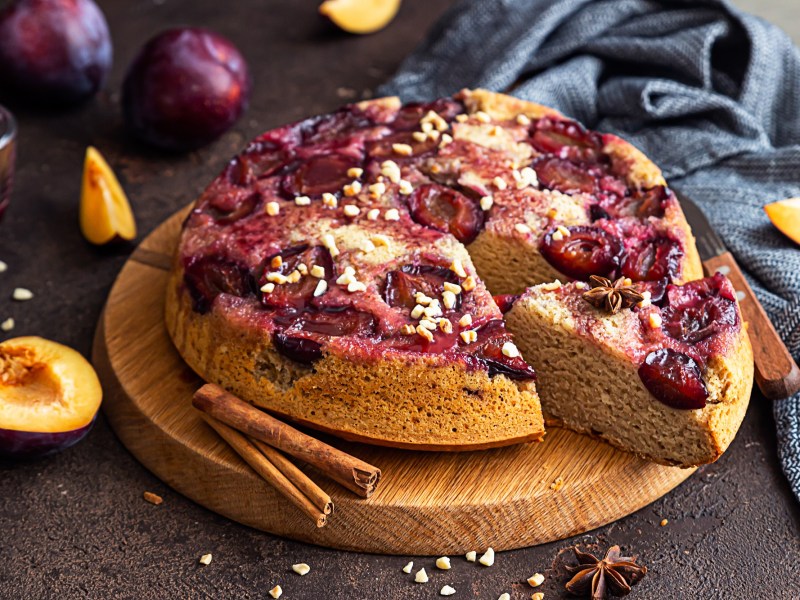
(428,503)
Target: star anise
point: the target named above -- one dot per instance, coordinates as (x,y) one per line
(612,296)
(613,575)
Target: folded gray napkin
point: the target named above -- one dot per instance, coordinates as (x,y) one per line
(710,93)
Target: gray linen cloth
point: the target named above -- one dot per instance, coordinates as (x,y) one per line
(710,93)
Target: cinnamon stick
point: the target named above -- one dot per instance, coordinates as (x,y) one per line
(349,471)
(303,482)
(251,455)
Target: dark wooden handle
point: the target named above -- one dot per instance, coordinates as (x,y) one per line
(777,375)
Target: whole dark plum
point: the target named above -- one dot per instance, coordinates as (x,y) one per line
(185,88)
(53,51)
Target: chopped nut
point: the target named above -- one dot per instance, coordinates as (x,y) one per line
(487,559)
(373,214)
(499,183)
(402,149)
(153,499)
(645,300)
(447,591)
(405,187)
(424,333)
(22,294)
(268,288)
(7,325)
(426,126)
(445,325)
(510,350)
(276,262)
(443,562)
(462,118)
(483,117)
(380,240)
(356,286)
(655,320)
(627,281)
(566,233)
(417,311)
(536,580)
(390,170)
(276,591)
(329,200)
(428,324)
(302,200)
(273,208)
(407,329)
(433,118)
(457,268)
(471,555)
(537,596)
(318,271)
(525,178)
(446,140)
(557,236)
(351,210)
(408,567)
(355,172)
(452,287)
(352,189)
(419,136)
(522,228)
(376,190)
(294,276)
(421,576)
(301,568)
(550,287)
(523,120)
(557,484)
(465,321)
(580,285)
(486,202)
(205,559)
(392,215)
(367,246)
(469,284)
(664,522)
(434,309)
(3,267)
(278,278)
(302,268)
(330,243)
(448,299)
(552,213)
(469,336)
(504,596)
(422,299)
(322,287)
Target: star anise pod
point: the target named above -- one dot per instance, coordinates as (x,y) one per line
(613,575)
(611,296)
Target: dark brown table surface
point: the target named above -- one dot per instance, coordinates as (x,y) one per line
(75,525)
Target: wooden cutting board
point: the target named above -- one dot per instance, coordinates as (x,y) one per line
(427,503)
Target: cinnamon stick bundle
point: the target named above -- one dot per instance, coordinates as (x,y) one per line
(349,471)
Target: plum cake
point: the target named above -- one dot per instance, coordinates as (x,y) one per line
(340,271)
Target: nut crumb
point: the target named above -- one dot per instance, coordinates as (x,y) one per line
(402,149)
(522,228)
(523,120)
(469,284)
(537,596)
(536,580)
(421,576)
(466,320)
(486,202)
(443,562)
(471,556)
(7,325)
(205,559)
(487,559)
(392,215)
(155,499)
(22,294)
(355,172)
(447,591)
(3,267)
(664,522)
(557,484)
(408,567)
(505,596)
(655,320)
(510,350)
(273,208)
(301,568)
(276,591)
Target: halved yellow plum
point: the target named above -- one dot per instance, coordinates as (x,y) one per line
(785,215)
(49,397)
(360,16)
(105,213)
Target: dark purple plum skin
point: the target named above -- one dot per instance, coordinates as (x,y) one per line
(32,444)
(54,51)
(186,87)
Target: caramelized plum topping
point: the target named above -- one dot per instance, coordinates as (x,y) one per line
(207,277)
(302,335)
(505,302)
(597,212)
(699,309)
(653,259)
(342,123)
(674,378)
(489,351)
(562,175)
(300,293)
(447,210)
(408,116)
(261,159)
(566,139)
(319,174)
(384,147)
(652,201)
(586,251)
(403,284)
(228,208)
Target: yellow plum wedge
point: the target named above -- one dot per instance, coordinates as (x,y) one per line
(105,213)
(360,16)
(785,215)
(49,397)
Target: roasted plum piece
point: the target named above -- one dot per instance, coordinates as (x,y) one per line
(566,139)
(320,174)
(385,149)
(208,276)
(300,259)
(404,283)
(408,117)
(229,208)
(560,174)
(489,351)
(505,302)
(302,335)
(697,310)
(585,251)
(447,210)
(674,378)
(653,258)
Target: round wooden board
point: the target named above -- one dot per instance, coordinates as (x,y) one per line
(427,503)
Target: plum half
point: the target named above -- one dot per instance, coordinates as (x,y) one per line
(49,397)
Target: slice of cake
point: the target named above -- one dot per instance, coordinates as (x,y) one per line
(663,373)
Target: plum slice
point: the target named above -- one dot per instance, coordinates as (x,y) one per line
(402,284)
(489,351)
(49,397)
(566,139)
(674,378)
(229,208)
(302,335)
(206,277)
(384,147)
(699,309)
(652,201)
(559,174)
(505,302)
(444,209)
(653,259)
(300,293)
(320,174)
(408,117)
(586,251)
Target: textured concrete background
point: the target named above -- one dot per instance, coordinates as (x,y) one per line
(75,525)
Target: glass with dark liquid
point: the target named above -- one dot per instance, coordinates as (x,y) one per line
(8,139)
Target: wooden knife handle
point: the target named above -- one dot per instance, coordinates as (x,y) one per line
(777,375)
